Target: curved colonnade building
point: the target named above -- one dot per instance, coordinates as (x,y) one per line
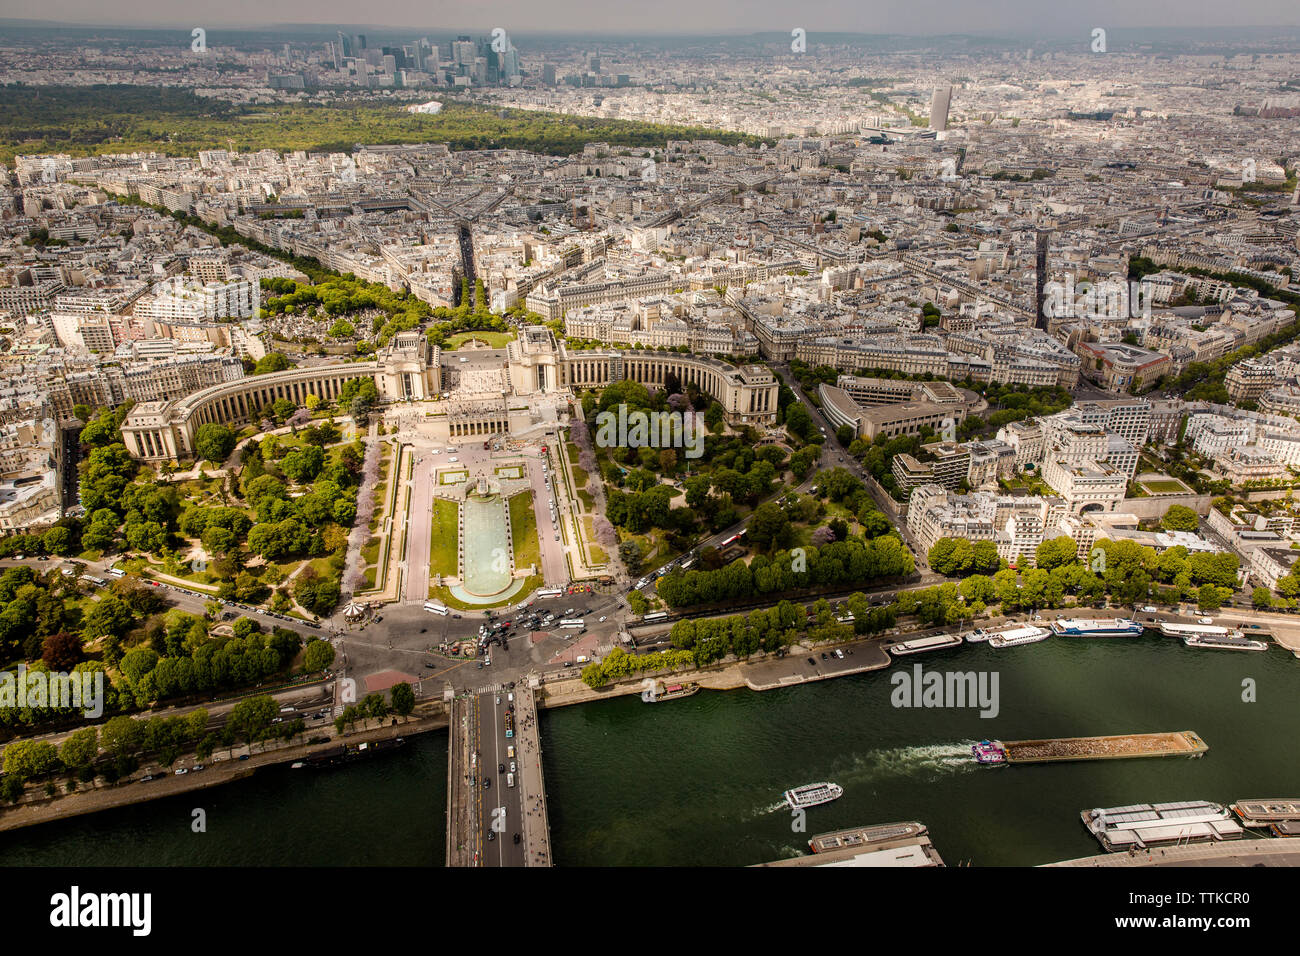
(409,370)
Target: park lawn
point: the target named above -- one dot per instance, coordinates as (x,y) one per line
(588,499)
(496,340)
(446,527)
(368,580)
(370,551)
(572,450)
(523,530)
(443,594)
(579,477)
(595,551)
(1164,487)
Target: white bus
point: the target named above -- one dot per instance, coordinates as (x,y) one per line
(116,572)
(571,622)
(435,607)
(550,592)
(656,616)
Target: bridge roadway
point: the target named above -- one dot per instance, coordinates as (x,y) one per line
(485,813)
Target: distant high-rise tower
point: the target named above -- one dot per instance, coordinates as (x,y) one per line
(345,43)
(1040,277)
(361,41)
(939,103)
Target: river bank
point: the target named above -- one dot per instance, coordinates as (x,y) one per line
(769,673)
(221,769)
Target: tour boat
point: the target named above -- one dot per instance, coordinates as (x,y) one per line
(813,794)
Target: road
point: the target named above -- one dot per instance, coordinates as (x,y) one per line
(419,528)
(499,807)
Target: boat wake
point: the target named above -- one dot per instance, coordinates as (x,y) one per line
(931,760)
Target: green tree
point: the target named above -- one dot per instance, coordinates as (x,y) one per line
(272,362)
(317,656)
(403,699)
(1180,518)
(80,748)
(214,441)
(25,759)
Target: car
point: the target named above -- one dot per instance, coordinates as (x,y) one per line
(180,771)
(242,757)
(491,833)
(512,766)
(1205,620)
(1254,627)
(824,657)
(516,837)
(147,777)
(602,619)
(453,459)
(487,783)
(456,616)
(812,661)
(498,700)
(839,653)
(480,665)
(197,767)
(501,768)
(568,663)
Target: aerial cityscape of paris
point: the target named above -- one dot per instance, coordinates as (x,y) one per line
(722,435)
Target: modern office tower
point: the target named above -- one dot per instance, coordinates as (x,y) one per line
(345,43)
(548,74)
(510,64)
(463,52)
(361,41)
(939,103)
(1040,277)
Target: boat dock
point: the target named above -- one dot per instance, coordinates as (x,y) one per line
(1263,813)
(1180,743)
(904,844)
(1145,825)
(921,644)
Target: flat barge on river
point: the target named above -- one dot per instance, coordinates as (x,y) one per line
(1181,743)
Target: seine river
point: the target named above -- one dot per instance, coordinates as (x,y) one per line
(699,780)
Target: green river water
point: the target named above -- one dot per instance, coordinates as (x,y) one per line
(699,780)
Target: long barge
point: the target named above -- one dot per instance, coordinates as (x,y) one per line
(1227,642)
(1181,743)
(921,644)
(347,753)
(1009,635)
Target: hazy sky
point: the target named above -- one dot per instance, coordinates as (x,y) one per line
(1019,17)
